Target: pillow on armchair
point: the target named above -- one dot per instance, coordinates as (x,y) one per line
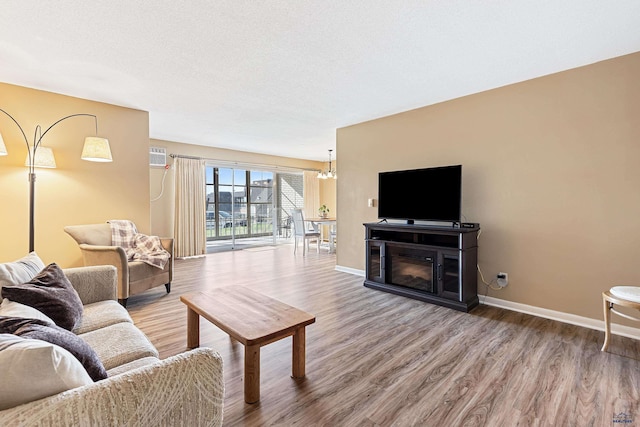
(90,234)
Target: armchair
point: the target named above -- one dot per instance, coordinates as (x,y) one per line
(134,277)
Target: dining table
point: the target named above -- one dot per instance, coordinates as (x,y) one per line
(322,221)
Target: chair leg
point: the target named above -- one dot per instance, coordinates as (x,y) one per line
(607,323)
(168,286)
(123,302)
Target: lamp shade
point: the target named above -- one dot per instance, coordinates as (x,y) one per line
(96,150)
(3,148)
(43,158)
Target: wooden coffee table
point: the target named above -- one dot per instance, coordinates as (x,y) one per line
(254,320)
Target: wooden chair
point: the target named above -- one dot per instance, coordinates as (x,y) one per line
(624,296)
(301,231)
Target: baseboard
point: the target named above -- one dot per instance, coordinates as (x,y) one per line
(616,329)
(572,319)
(350,270)
(191,257)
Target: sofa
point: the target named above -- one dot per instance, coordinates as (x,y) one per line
(140,389)
(134,277)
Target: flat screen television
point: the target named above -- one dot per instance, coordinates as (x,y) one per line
(430,194)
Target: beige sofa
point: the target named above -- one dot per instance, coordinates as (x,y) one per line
(134,277)
(141,389)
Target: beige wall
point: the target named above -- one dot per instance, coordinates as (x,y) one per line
(77,192)
(550,171)
(80,192)
(162,209)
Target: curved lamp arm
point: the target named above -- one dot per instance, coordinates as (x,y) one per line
(31,153)
(19,127)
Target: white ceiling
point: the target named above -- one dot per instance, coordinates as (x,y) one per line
(279,77)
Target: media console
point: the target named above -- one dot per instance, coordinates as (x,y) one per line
(436,264)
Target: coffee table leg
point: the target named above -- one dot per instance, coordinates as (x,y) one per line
(251,373)
(298,362)
(193,328)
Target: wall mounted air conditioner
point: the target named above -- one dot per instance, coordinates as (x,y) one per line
(157,157)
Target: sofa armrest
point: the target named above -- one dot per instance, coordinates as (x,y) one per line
(167,244)
(187,389)
(93,284)
(109,255)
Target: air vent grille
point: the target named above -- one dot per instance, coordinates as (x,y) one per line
(157,156)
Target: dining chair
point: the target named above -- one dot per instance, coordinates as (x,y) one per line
(333,237)
(301,231)
(623,296)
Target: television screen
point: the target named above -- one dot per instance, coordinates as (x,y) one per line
(431,194)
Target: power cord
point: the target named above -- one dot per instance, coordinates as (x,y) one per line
(489,284)
(164,175)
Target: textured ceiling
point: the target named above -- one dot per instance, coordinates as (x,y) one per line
(279,77)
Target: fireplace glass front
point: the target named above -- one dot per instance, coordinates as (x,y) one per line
(412,268)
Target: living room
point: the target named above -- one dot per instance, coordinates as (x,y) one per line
(549,172)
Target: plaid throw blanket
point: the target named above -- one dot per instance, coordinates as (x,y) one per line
(137,246)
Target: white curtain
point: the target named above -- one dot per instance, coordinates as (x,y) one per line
(311,194)
(189,226)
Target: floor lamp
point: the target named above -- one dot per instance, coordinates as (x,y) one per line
(95,150)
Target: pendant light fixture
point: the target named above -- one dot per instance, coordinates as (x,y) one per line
(330,173)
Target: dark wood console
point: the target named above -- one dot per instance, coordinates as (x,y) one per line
(436,264)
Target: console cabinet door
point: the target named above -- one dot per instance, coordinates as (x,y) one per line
(449,274)
(376,261)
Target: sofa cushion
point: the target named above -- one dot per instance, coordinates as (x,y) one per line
(120,343)
(101,314)
(20,271)
(132,365)
(15,309)
(37,329)
(33,369)
(51,293)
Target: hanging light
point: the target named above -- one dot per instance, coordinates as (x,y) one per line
(330,173)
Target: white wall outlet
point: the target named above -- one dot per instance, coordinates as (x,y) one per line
(371,203)
(502,279)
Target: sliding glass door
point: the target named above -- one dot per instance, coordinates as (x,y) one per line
(241,208)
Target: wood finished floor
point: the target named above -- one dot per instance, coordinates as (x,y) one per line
(376,359)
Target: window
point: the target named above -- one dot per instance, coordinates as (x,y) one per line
(239,203)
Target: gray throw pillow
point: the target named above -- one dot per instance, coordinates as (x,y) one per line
(51,293)
(40,330)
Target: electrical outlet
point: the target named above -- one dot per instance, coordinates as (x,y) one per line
(502,279)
